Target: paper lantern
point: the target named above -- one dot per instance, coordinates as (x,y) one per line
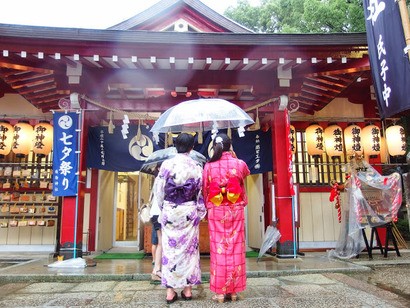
(292,139)
(371,140)
(43,138)
(22,139)
(353,141)
(314,140)
(6,138)
(396,140)
(334,140)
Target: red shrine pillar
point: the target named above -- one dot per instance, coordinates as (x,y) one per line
(67,228)
(282,178)
(72,219)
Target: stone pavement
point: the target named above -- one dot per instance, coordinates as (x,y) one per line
(34,268)
(311,281)
(308,290)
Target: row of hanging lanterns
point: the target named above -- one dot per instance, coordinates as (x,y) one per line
(354,139)
(22,137)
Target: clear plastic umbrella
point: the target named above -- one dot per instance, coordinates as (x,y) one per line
(156,158)
(271,236)
(200,115)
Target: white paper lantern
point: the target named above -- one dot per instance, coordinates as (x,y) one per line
(292,139)
(6,138)
(396,140)
(22,139)
(43,138)
(352,139)
(371,140)
(314,140)
(334,140)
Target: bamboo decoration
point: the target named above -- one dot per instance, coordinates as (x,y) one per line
(399,238)
(406,24)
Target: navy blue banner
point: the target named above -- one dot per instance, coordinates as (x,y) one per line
(112,152)
(255,148)
(389,64)
(65,156)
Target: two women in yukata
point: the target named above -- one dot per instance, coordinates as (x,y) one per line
(178,191)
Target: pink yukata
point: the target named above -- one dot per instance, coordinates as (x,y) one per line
(225,198)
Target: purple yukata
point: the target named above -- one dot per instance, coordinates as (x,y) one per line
(182,208)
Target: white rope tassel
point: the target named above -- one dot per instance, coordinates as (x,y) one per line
(214,130)
(170,140)
(111,124)
(200,138)
(139,134)
(257,122)
(229,132)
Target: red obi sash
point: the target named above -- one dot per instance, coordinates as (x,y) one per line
(231,192)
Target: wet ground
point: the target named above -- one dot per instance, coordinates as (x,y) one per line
(395,279)
(306,290)
(9,262)
(311,281)
(391,274)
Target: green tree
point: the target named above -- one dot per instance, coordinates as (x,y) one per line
(300,16)
(246,15)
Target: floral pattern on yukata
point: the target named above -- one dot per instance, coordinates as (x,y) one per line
(182,208)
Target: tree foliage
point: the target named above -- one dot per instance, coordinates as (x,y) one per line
(300,16)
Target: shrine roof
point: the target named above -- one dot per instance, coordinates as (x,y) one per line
(169,10)
(158,37)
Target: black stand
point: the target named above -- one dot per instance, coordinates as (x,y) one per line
(390,236)
(383,250)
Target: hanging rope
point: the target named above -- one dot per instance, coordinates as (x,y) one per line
(335,196)
(136,115)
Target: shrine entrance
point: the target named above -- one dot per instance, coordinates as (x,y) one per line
(125,224)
